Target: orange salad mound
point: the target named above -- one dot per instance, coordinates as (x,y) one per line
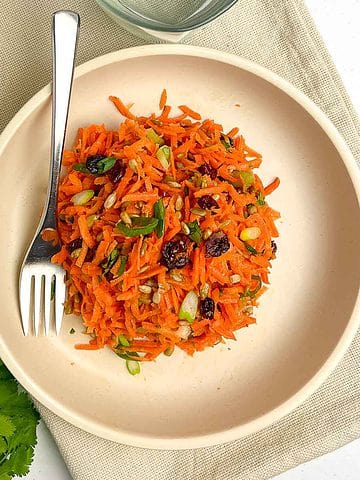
(166,233)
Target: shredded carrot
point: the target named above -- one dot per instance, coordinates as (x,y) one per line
(163,99)
(132,280)
(272,186)
(189,112)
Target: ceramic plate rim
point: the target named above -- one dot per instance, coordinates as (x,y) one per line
(344,341)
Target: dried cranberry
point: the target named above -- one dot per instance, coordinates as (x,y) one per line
(175,254)
(207,202)
(92,163)
(117,172)
(90,254)
(217,244)
(109,276)
(74,245)
(207,308)
(207,169)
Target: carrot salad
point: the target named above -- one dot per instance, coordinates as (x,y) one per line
(166,233)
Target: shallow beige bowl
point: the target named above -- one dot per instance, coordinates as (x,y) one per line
(307,318)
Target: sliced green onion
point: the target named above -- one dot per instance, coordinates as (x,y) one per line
(152,135)
(163,155)
(82,197)
(248,178)
(123,341)
(189,307)
(159,213)
(122,266)
(250,233)
(133,367)
(80,167)
(140,226)
(261,199)
(195,231)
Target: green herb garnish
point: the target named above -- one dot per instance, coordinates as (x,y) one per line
(122,266)
(110,261)
(140,226)
(251,249)
(80,167)
(195,231)
(105,164)
(159,213)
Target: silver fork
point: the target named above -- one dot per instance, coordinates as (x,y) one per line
(41,281)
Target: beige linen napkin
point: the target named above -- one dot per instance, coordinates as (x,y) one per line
(280,35)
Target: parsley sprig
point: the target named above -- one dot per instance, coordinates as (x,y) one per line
(18,421)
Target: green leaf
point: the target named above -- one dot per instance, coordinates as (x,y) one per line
(25,431)
(251,249)
(110,261)
(7,428)
(4,372)
(8,392)
(18,421)
(159,213)
(140,226)
(80,167)
(19,403)
(122,266)
(195,231)
(19,461)
(5,476)
(3,445)
(105,164)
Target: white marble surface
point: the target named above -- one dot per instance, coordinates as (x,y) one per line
(338,22)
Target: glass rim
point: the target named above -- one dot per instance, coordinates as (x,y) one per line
(138,20)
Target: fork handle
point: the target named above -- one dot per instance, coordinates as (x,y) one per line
(65,29)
